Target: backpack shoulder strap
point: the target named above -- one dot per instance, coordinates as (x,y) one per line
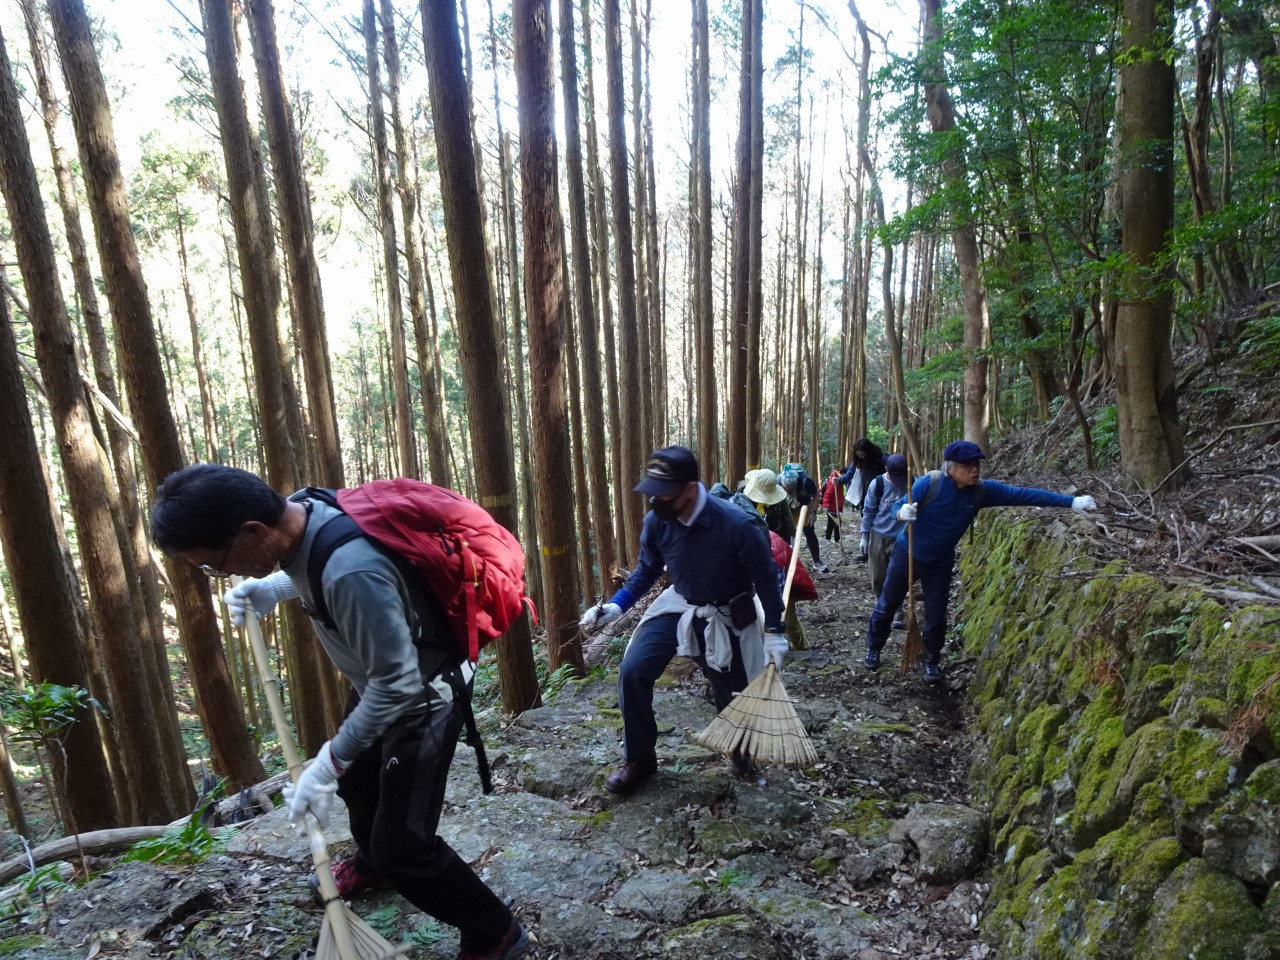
(935,484)
(328,538)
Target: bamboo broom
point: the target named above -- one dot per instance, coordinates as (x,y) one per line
(343,935)
(913,646)
(760,723)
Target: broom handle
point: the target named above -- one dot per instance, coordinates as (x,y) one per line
(911,558)
(333,905)
(795,558)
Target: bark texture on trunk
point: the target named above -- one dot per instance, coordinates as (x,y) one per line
(546,306)
(1151,446)
(477,338)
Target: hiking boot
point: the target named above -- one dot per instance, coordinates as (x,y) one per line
(627,776)
(351,876)
(746,770)
(872,660)
(512,944)
(931,673)
(898,624)
(820,567)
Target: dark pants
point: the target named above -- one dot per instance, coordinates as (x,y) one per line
(811,538)
(935,583)
(833,527)
(394,792)
(652,647)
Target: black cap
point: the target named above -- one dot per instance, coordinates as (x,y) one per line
(668,470)
(896,467)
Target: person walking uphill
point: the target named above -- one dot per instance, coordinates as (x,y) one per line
(803,492)
(880,523)
(390,757)
(723,584)
(944,506)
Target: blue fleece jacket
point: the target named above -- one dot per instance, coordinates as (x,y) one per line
(942,522)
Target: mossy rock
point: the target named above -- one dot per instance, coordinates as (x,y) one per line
(1199,774)
(734,935)
(33,947)
(1199,912)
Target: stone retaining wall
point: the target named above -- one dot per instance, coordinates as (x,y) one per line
(1127,745)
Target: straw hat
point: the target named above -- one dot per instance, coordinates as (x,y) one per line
(762,487)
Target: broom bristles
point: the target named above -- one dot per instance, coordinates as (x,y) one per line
(912,648)
(761,724)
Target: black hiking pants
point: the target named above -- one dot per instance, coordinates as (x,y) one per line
(394,792)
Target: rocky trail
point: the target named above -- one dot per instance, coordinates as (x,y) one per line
(871,854)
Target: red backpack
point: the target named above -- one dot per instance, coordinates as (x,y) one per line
(472,564)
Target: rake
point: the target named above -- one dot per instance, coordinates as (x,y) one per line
(343,935)
(760,723)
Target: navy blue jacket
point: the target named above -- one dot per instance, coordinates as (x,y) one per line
(723,553)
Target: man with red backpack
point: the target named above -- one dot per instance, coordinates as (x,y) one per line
(390,637)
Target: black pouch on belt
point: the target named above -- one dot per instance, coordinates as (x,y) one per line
(742,610)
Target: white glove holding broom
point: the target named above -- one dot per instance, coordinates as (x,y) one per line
(775,645)
(315,789)
(262,593)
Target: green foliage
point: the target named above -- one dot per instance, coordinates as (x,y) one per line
(384,920)
(732,877)
(45,711)
(1260,344)
(186,844)
(1106,435)
(426,934)
(552,683)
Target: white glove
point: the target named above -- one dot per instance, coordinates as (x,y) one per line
(264,594)
(315,789)
(600,615)
(862,545)
(775,645)
(1084,504)
(907,512)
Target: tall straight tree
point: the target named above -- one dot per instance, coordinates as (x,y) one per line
(42,588)
(315,700)
(217,700)
(755,238)
(546,306)
(144,581)
(600,235)
(704,274)
(1151,446)
(477,340)
(598,480)
(631,396)
(405,447)
(437,438)
(147,775)
(305,295)
(964,237)
(740,278)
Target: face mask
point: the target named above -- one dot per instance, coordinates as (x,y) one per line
(665,509)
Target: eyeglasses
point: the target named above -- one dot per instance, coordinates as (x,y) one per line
(215,570)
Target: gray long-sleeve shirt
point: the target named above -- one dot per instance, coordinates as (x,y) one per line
(377,620)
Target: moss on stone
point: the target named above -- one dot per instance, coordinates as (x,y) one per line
(865,821)
(1199,912)
(824,866)
(1199,770)
(13,946)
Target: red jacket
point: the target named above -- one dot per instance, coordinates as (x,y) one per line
(833,493)
(802,587)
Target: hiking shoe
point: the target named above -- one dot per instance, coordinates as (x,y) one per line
(627,776)
(820,567)
(512,944)
(746,770)
(898,624)
(931,673)
(872,660)
(351,876)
